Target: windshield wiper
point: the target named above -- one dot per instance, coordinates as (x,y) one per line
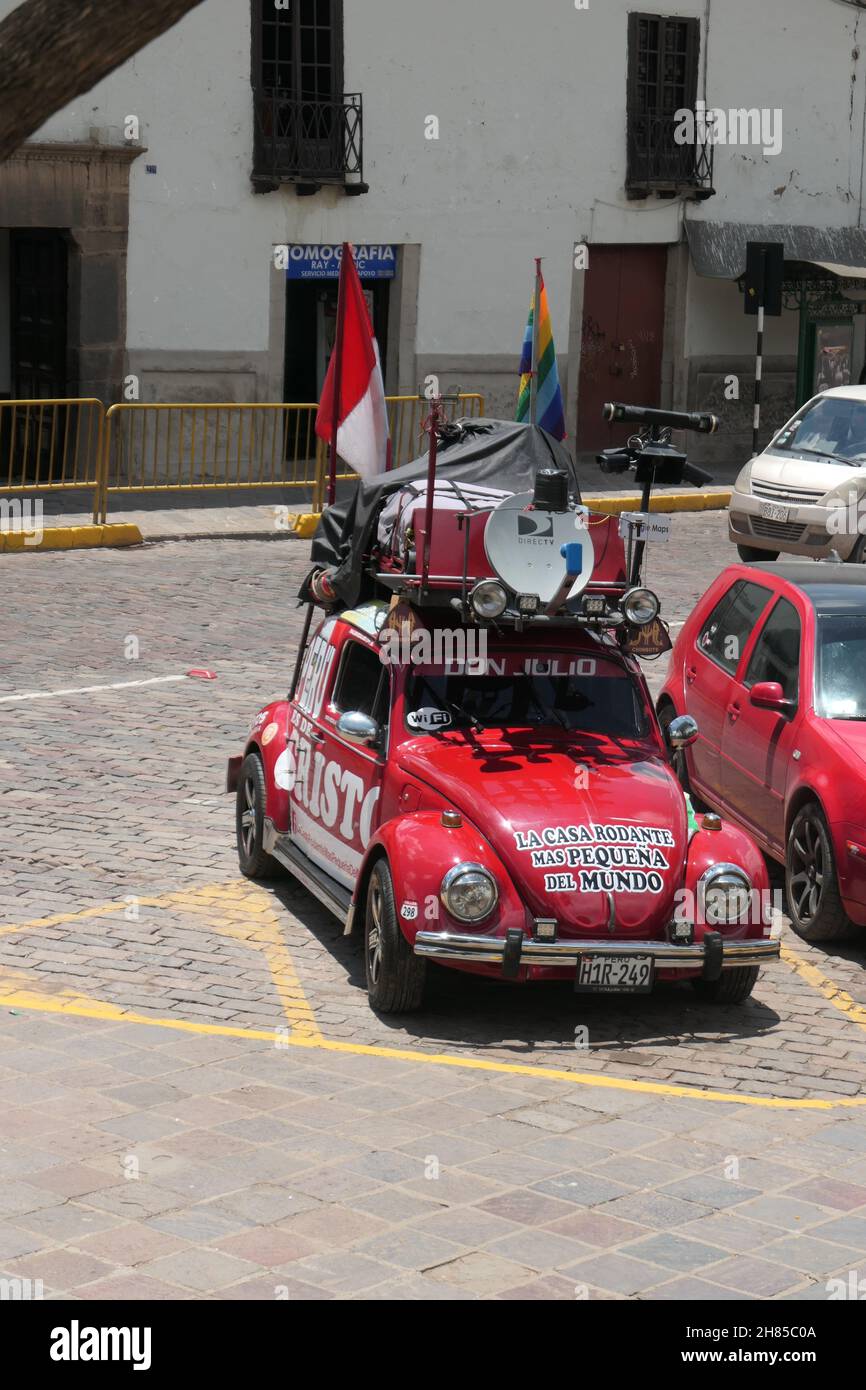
(454,708)
(819,453)
(551,714)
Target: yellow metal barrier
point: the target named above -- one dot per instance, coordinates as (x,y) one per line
(51,444)
(156,447)
(406,415)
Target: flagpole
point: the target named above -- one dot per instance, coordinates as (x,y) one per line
(338,376)
(536,316)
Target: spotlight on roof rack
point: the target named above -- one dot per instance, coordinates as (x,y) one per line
(640,606)
(489,599)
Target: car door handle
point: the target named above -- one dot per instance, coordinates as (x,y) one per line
(733,712)
(691,674)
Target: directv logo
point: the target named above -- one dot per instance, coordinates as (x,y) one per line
(535,528)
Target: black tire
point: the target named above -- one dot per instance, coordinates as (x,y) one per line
(395,975)
(752,554)
(250,821)
(814,905)
(732,986)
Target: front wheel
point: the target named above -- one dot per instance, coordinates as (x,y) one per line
(732,986)
(395,975)
(814,904)
(250,822)
(751,554)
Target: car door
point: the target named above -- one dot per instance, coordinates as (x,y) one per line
(709,669)
(337,784)
(757,743)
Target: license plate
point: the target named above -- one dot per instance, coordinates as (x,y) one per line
(614,975)
(771,511)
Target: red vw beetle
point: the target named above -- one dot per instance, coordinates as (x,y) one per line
(471,770)
(771,665)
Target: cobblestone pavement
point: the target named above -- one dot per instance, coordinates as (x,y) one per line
(304,1147)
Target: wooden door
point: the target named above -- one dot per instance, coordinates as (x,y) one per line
(621,346)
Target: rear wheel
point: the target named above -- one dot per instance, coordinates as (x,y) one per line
(395,975)
(732,986)
(751,554)
(250,822)
(814,904)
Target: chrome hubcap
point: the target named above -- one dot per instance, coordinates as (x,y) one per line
(807,872)
(374,929)
(248,818)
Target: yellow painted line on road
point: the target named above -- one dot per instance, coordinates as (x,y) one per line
(239,910)
(242,911)
(826,987)
(67,1002)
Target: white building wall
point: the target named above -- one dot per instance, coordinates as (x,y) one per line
(530,159)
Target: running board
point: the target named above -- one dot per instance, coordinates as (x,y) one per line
(332,895)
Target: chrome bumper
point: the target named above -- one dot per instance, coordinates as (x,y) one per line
(450,946)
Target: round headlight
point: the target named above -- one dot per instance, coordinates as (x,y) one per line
(469,892)
(640,606)
(724,894)
(489,599)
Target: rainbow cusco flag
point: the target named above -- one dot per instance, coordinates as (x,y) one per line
(549,411)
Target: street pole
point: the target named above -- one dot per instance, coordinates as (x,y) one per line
(433,425)
(536,314)
(759,356)
(338,376)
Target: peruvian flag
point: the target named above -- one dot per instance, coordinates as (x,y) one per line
(353,396)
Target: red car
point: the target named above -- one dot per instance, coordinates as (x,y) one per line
(771,666)
(510,810)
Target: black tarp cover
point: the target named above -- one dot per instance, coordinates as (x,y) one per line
(500,453)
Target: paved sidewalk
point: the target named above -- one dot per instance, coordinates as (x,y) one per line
(196,516)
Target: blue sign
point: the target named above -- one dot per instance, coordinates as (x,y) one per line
(322,262)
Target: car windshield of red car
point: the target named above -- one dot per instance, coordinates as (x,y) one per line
(606,702)
(841,666)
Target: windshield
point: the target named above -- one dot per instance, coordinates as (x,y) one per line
(834,427)
(587,695)
(841,666)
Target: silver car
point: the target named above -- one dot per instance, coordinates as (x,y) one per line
(806,493)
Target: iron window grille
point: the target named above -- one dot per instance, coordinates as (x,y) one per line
(307,131)
(662,82)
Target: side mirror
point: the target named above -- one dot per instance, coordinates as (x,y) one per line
(358,728)
(770,695)
(682,731)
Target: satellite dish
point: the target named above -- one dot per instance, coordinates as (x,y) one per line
(524,547)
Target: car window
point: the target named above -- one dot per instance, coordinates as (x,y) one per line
(361,683)
(777,654)
(841,666)
(724,636)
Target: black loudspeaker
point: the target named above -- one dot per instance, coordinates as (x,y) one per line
(765,265)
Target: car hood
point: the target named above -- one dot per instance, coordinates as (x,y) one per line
(598,843)
(850,733)
(804,473)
